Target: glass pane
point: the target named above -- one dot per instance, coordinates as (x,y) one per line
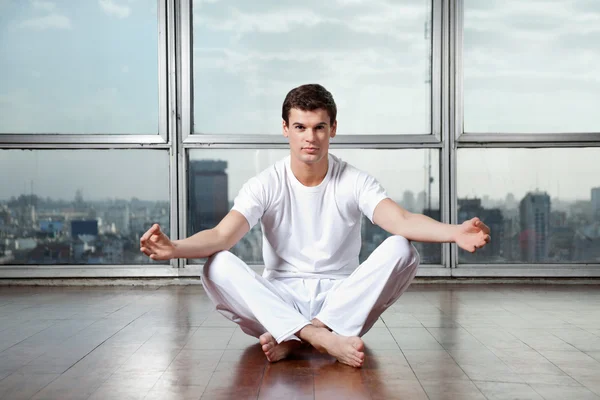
(79,67)
(216,176)
(542,205)
(531,66)
(374,57)
(81,206)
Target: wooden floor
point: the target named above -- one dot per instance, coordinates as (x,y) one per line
(436,342)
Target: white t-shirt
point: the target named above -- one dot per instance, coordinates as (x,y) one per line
(310,232)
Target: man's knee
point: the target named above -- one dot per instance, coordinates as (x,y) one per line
(219,266)
(401,251)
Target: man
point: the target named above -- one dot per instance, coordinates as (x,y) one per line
(310,206)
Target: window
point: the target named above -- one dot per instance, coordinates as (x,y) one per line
(530,66)
(80,206)
(375,58)
(215,177)
(79,67)
(539,203)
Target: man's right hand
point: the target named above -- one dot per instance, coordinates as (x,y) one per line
(156,245)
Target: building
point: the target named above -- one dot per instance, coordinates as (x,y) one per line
(535,227)
(430,253)
(118,219)
(52,227)
(207,194)
(84,227)
(596,202)
(494,219)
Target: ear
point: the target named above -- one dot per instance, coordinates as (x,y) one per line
(284,128)
(333,131)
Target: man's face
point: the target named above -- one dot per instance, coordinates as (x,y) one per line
(309,133)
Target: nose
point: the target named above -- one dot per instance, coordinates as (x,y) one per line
(311,135)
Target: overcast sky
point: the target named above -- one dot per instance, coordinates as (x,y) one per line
(91,66)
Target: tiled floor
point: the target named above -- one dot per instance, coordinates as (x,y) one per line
(437,342)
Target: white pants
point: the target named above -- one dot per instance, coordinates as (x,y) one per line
(348,306)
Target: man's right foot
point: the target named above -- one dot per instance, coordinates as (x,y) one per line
(347,350)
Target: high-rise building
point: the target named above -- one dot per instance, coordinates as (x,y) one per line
(431,253)
(535,226)
(493,218)
(84,227)
(207,194)
(596,202)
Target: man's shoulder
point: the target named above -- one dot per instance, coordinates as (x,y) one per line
(346,170)
(271,176)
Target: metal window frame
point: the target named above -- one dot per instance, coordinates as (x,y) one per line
(191,138)
(19,140)
(460,139)
(175,135)
(163,140)
(501,139)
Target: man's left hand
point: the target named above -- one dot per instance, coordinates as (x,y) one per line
(472,235)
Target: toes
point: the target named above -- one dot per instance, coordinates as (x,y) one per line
(265,338)
(267,347)
(358,344)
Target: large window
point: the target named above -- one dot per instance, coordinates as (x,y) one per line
(117,114)
(375,58)
(79,67)
(543,205)
(410,177)
(531,66)
(80,206)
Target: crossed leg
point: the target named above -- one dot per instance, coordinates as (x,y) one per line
(264,311)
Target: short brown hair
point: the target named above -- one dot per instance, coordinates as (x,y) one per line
(309,98)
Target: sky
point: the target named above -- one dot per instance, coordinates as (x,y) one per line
(78,66)
(91,67)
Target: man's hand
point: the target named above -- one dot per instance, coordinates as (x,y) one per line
(472,235)
(156,245)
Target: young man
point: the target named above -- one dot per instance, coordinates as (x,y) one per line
(310,206)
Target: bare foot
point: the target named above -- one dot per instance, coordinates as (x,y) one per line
(274,351)
(347,350)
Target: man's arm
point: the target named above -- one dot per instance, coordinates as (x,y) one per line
(470,235)
(156,245)
(210,241)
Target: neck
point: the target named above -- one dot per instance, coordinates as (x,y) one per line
(310,174)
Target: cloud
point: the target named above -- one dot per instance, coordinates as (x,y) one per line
(52,21)
(41,5)
(271,21)
(198,2)
(111,8)
(402,22)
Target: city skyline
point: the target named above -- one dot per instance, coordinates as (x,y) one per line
(35,230)
(144,174)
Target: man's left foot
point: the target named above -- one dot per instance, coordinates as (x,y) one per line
(274,351)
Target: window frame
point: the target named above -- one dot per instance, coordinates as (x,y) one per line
(499,138)
(175,136)
(189,137)
(460,139)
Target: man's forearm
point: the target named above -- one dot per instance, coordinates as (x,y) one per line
(202,244)
(421,228)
